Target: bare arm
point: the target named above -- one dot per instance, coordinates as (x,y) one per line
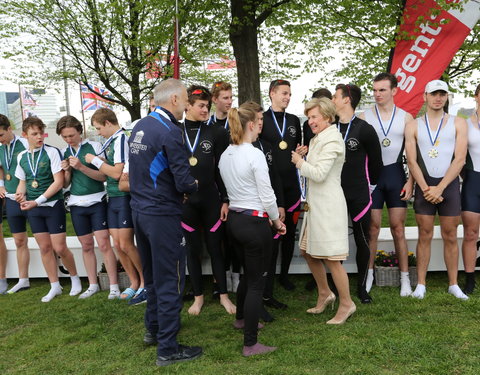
(94,174)
(411,151)
(113,171)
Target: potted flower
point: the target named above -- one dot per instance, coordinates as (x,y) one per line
(387,272)
(123,280)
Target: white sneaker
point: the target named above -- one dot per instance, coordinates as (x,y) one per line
(88,293)
(114,294)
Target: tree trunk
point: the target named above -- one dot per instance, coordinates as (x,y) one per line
(243,36)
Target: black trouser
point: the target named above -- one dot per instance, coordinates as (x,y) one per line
(162,251)
(253,240)
(230,255)
(288,247)
(361,229)
(200,222)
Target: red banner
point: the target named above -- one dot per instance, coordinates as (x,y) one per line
(434,44)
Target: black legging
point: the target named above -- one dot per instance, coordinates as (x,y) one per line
(288,247)
(201,214)
(361,236)
(253,241)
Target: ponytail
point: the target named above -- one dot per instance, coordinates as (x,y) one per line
(236,128)
(239,118)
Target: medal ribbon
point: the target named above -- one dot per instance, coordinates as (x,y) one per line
(75,154)
(9,154)
(34,169)
(195,143)
(109,140)
(302,181)
(281,132)
(348,128)
(211,120)
(438,130)
(391,120)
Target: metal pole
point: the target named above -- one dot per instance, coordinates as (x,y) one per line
(176,56)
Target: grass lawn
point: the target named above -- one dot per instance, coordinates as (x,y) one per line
(394,335)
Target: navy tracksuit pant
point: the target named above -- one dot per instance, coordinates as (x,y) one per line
(162,250)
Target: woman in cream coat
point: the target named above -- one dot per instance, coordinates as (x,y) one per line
(324,236)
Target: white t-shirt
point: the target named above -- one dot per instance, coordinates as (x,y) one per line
(244,172)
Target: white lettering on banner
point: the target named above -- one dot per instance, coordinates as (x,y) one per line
(412,61)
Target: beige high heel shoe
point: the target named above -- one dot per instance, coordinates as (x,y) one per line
(327,301)
(350,312)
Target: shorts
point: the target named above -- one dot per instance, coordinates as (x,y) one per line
(389,186)
(45,219)
(471,191)
(450,206)
(17,219)
(119,213)
(89,219)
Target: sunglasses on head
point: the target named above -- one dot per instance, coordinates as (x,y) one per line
(198,92)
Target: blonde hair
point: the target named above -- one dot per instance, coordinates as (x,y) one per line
(238,118)
(325,107)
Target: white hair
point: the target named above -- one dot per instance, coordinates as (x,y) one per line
(165,89)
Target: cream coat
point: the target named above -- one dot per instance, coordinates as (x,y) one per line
(326,220)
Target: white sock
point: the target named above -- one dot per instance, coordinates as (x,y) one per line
(114,292)
(76,285)
(92,289)
(419,292)
(114,288)
(369,283)
(405,287)
(55,290)
(22,283)
(3,286)
(457,292)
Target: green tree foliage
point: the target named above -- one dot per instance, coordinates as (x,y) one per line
(364,32)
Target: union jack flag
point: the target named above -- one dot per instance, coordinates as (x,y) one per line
(91,101)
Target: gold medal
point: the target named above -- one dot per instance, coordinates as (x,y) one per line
(283,145)
(34,184)
(386,142)
(193,161)
(8,177)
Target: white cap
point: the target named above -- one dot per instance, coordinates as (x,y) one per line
(436,85)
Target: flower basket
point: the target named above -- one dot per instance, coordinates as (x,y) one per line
(387,272)
(123,281)
(387,276)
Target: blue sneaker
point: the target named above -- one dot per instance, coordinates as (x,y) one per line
(139,298)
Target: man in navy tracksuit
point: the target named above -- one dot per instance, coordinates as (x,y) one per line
(159,178)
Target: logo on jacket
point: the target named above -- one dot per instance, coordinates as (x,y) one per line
(138,137)
(269,157)
(206,146)
(136,146)
(352,144)
(292,131)
(183,243)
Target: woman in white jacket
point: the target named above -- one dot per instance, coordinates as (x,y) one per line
(324,233)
